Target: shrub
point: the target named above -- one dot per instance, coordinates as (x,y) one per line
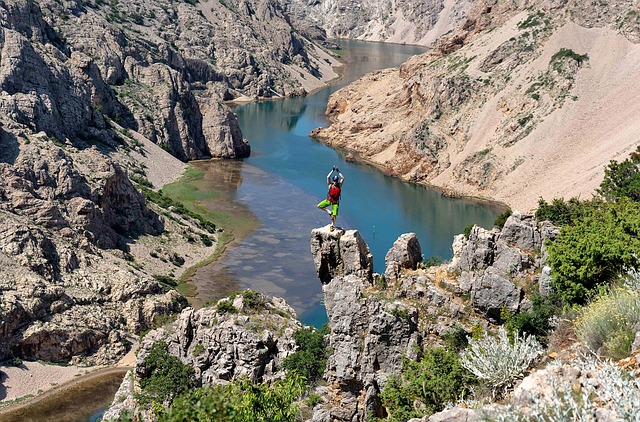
(239,401)
(225,306)
(168,376)
(615,389)
(426,386)
(499,362)
(622,179)
(559,212)
(456,338)
(537,321)
(608,324)
(310,360)
(502,218)
(589,253)
(467,230)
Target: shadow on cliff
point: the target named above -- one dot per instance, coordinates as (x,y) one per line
(3,389)
(9,147)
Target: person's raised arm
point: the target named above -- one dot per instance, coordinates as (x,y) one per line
(329,176)
(341,177)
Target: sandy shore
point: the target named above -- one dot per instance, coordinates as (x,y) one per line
(38,379)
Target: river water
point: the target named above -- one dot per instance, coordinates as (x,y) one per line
(285,178)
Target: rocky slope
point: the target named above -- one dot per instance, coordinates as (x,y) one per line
(70,287)
(522,100)
(395,21)
(92,96)
(221,346)
(375,321)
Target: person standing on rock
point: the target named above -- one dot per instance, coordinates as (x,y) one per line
(333,196)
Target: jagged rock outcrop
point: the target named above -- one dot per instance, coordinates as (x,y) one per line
(380,20)
(369,336)
(221,346)
(404,254)
(489,262)
(508,107)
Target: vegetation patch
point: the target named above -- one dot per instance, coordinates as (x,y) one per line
(426,386)
(310,360)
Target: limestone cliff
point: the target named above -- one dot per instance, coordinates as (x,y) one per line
(522,100)
(220,345)
(377,320)
(398,21)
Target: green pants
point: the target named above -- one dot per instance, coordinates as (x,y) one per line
(334,207)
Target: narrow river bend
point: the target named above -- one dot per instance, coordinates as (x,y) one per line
(284,179)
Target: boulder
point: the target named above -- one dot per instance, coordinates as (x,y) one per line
(404,254)
(492,292)
(340,253)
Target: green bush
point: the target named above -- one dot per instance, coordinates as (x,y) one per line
(561,213)
(622,179)
(535,322)
(502,218)
(467,230)
(426,386)
(586,255)
(168,376)
(239,401)
(310,360)
(225,307)
(456,338)
(608,324)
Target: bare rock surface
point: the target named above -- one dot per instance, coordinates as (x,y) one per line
(221,346)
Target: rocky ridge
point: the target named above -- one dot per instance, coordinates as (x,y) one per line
(402,21)
(220,345)
(377,320)
(493,106)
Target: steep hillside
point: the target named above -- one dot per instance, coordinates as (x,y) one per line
(395,21)
(94,96)
(521,101)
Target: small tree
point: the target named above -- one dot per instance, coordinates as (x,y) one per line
(622,179)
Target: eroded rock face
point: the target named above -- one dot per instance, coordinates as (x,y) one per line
(340,253)
(369,336)
(221,346)
(404,254)
(490,261)
(380,20)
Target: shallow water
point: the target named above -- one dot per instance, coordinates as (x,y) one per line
(85,401)
(285,178)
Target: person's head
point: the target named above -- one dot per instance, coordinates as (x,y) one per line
(336,179)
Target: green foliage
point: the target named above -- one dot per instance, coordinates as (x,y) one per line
(432,261)
(225,307)
(426,386)
(502,218)
(163,201)
(310,360)
(531,21)
(622,179)
(608,324)
(250,299)
(587,254)
(168,376)
(166,281)
(456,338)
(240,401)
(535,322)
(142,181)
(568,53)
(559,212)
(467,230)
